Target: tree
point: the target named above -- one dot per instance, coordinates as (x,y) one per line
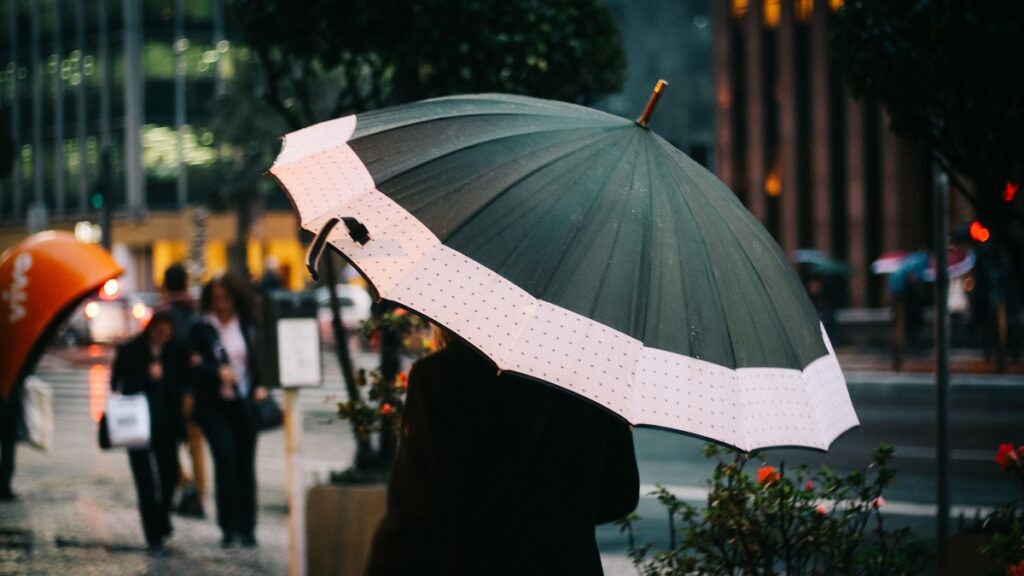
(949,74)
(324,59)
(7,152)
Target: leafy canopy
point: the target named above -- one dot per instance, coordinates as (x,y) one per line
(324,59)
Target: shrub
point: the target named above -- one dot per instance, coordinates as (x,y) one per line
(779,522)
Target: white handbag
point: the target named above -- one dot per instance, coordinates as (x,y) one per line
(127,418)
(38,412)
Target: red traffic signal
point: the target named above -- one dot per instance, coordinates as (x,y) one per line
(979,233)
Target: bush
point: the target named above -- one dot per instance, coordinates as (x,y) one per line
(1005,525)
(796,523)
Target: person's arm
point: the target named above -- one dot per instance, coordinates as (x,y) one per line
(620,486)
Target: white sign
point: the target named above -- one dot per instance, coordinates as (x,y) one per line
(298,352)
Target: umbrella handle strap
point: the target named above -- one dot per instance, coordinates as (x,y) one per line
(356,230)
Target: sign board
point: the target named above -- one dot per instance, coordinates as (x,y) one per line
(298,352)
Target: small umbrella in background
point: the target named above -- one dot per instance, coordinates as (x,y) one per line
(580,249)
(42,279)
(819,263)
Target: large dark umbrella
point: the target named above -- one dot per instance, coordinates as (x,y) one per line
(581,249)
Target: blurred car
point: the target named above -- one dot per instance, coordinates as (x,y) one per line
(108,317)
(355,304)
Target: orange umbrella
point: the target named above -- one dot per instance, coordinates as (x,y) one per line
(41,281)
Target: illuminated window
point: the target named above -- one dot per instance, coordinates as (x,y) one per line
(804,9)
(773,183)
(772,9)
(739,8)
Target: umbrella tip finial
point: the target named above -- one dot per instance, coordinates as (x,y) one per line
(652,102)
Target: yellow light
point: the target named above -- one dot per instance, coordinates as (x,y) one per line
(773,183)
(110,288)
(835,4)
(804,9)
(739,8)
(92,310)
(772,10)
(139,310)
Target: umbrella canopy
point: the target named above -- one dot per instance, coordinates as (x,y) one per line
(41,280)
(820,263)
(581,249)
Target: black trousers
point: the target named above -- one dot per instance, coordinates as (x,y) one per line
(232,438)
(9,411)
(155,472)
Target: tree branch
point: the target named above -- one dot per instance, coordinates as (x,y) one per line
(271,94)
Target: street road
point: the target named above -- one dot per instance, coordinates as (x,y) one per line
(895,409)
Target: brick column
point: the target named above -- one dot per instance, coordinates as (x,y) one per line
(756,110)
(856,201)
(721,22)
(821,129)
(786,92)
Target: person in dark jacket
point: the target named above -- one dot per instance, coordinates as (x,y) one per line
(10,416)
(148,364)
(180,304)
(227,390)
(500,475)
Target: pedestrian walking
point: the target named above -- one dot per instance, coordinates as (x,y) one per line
(149,364)
(498,474)
(10,416)
(180,304)
(227,392)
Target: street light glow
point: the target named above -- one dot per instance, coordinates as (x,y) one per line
(110,288)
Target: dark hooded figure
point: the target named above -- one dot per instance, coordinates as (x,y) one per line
(500,475)
(150,364)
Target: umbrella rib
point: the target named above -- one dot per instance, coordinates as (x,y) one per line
(600,135)
(757,273)
(568,242)
(425,161)
(615,242)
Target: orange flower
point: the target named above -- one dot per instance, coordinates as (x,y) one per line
(1006,456)
(403,381)
(767,474)
(401,311)
(386,409)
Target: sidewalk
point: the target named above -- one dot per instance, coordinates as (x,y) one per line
(91,526)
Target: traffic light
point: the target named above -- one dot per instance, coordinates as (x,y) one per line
(979,233)
(1010,192)
(97,200)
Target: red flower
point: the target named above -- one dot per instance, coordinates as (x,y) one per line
(1016,569)
(403,381)
(821,510)
(1006,456)
(767,474)
(809,486)
(386,409)
(401,311)
(878,502)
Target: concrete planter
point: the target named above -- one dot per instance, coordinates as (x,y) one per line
(341,520)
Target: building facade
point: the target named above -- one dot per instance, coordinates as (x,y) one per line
(820,169)
(124,86)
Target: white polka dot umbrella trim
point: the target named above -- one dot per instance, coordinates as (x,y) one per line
(747,408)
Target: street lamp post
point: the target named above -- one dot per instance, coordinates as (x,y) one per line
(941,229)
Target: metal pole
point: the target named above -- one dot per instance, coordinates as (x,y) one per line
(16,174)
(293,468)
(941,228)
(59,162)
(80,109)
(180,69)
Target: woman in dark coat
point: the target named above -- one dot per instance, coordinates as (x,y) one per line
(227,389)
(500,475)
(149,364)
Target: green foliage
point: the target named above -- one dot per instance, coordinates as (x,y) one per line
(804,522)
(380,406)
(948,73)
(325,59)
(1005,525)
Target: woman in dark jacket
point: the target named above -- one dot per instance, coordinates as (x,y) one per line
(227,389)
(149,364)
(500,475)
